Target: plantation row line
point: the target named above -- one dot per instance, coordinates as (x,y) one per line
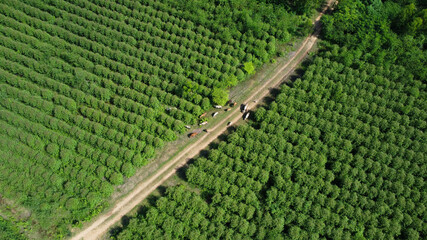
(112,121)
(159,46)
(90,67)
(119,89)
(371,91)
(24,170)
(145,18)
(104,94)
(352,125)
(75,132)
(117,57)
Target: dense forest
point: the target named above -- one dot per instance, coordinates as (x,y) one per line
(381,33)
(339,153)
(9,231)
(90,90)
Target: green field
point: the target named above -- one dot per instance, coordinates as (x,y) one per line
(340,153)
(90,90)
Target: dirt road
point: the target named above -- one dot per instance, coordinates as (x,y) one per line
(143,189)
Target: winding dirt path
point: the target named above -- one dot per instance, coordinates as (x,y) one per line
(103,222)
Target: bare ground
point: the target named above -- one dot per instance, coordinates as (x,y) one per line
(101,225)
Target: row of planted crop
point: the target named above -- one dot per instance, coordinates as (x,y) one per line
(119,89)
(96,58)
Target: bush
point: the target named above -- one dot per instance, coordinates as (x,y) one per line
(116,178)
(53,149)
(72,204)
(127,170)
(219,96)
(249,67)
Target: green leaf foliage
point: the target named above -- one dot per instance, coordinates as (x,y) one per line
(219,96)
(339,153)
(9,231)
(249,67)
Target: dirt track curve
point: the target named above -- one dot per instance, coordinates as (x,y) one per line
(104,221)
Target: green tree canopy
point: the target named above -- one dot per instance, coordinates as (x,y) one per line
(249,67)
(219,96)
